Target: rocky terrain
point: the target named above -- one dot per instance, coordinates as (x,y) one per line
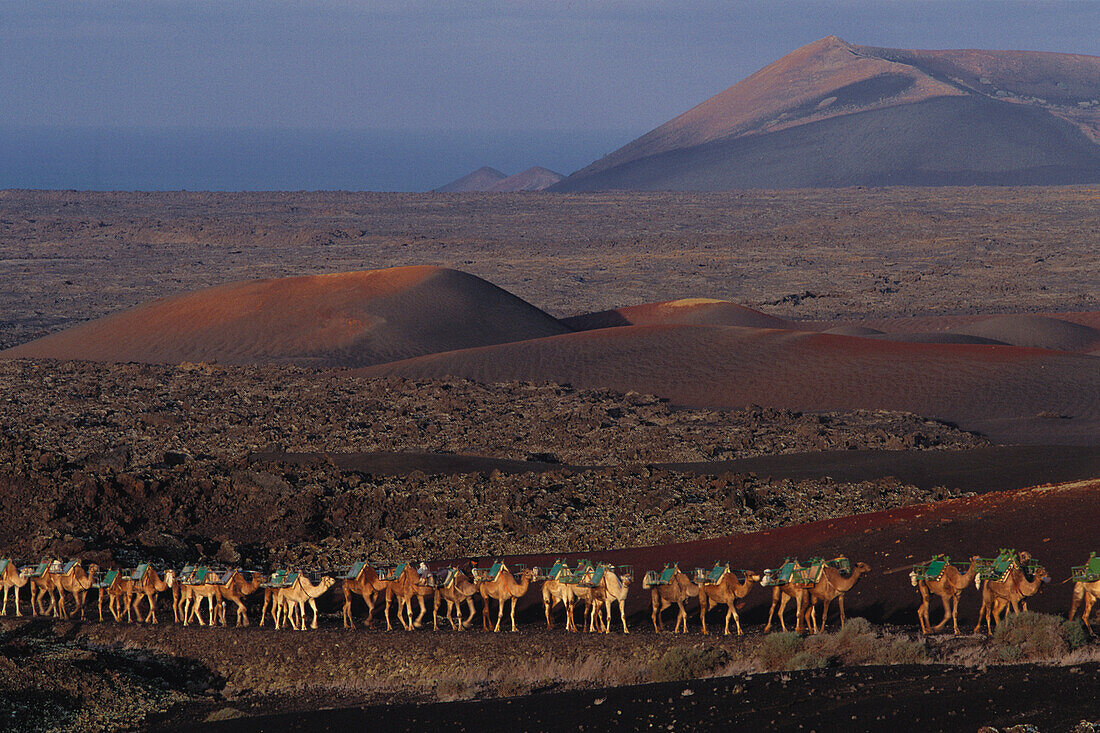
(163,462)
(81,409)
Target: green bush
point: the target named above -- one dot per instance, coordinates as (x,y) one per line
(1030,636)
(686,663)
(1075,634)
(778,650)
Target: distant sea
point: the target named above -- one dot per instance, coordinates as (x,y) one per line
(279,160)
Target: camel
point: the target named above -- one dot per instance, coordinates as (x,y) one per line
(11,578)
(119,593)
(503,588)
(614,589)
(367,585)
(41,585)
(296,596)
(999,595)
(677,590)
(459,590)
(949,586)
(794,590)
(728,590)
(832,585)
(554,592)
(593,598)
(1089,593)
(410,585)
(148,588)
(235,591)
(191,597)
(76,582)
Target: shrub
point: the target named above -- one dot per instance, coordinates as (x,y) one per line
(452,689)
(807,659)
(1030,636)
(778,650)
(1075,634)
(686,663)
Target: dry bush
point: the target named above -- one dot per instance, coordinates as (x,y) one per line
(686,663)
(1030,636)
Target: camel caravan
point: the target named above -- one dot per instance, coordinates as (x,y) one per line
(203,596)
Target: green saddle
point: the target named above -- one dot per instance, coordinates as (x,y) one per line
(355,571)
(1087,573)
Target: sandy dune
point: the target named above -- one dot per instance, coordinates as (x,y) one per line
(1009,393)
(837,114)
(346,319)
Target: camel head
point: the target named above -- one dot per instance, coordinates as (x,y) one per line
(327,582)
(1042,575)
(862,567)
(751,577)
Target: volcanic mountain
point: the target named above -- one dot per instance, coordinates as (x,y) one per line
(480,180)
(342,319)
(535,178)
(836,114)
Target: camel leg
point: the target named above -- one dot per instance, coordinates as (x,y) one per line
(947,614)
(1089,601)
(656,603)
(514,601)
(776,594)
(500,616)
(389,597)
(955,613)
(423,610)
(824,614)
(546,607)
(369,600)
(703,603)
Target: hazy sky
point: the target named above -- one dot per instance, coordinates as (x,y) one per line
(546,65)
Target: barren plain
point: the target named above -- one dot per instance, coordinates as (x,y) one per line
(67,257)
(267,461)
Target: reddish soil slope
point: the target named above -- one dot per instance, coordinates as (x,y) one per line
(1074,332)
(1009,393)
(480,180)
(1050,522)
(344,319)
(686,311)
(833,114)
(536,178)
